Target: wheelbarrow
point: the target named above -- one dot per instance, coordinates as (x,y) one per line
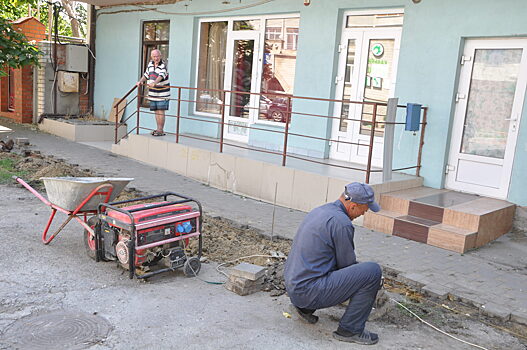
(77,197)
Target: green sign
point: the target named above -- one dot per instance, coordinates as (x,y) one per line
(377,49)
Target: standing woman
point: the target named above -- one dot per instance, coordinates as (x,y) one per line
(156,75)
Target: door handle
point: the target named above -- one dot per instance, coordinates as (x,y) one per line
(511,119)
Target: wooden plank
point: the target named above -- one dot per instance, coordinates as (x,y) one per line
(113,116)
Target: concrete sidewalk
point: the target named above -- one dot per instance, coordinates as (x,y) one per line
(493,278)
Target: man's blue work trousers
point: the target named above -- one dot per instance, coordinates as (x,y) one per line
(360,283)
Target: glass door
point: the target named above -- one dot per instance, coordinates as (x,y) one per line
(241,80)
(367,70)
(489,102)
(347,90)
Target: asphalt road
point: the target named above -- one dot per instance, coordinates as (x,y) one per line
(169,311)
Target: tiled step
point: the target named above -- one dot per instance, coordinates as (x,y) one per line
(422,230)
(443,218)
(452,238)
(399,201)
(412,227)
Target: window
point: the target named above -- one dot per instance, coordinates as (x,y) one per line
(211,66)
(278,73)
(273,33)
(274,39)
(11,89)
(155,36)
(292,39)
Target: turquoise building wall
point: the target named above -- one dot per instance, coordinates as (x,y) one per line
(432,38)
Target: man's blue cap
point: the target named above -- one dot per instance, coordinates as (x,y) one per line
(361,194)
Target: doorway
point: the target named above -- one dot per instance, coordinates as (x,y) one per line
(368,56)
(489,102)
(241,78)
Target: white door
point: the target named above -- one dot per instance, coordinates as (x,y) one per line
(367,71)
(241,76)
(487,116)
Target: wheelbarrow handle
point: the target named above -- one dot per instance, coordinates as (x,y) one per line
(32,190)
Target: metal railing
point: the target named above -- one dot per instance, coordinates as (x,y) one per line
(221,122)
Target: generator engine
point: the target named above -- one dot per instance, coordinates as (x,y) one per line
(150,238)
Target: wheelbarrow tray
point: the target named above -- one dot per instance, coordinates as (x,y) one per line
(69,192)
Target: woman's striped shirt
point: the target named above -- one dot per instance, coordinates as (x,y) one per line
(161,91)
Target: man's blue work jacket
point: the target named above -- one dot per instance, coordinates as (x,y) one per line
(323,243)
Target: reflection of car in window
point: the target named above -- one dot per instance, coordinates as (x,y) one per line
(274,108)
(278,109)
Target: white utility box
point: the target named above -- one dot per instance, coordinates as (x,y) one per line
(76,58)
(68,81)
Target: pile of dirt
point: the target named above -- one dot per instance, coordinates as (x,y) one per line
(226,242)
(36,165)
(223,240)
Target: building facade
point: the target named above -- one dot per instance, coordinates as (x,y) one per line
(465,60)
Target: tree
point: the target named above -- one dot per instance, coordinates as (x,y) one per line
(15,50)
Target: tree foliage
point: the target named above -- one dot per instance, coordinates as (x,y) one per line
(15,50)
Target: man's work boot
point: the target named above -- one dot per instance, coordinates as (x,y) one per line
(307,315)
(364,338)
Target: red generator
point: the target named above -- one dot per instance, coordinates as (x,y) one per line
(147,238)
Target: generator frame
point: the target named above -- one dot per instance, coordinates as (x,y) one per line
(131,227)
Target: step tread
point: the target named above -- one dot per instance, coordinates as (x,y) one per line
(414,192)
(481,206)
(454,229)
(388,213)
(418,220)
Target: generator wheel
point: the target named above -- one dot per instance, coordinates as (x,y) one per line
(89,240)
(191,267)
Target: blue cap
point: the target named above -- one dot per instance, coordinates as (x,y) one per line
(361,194)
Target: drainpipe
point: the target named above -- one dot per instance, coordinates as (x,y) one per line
(92,19)
(55,63)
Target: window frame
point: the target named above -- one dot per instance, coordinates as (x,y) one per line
(230,29)
(145,44)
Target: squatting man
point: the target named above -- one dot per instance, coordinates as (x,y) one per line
(322,270)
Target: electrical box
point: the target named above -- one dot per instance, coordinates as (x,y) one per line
(68,81)
(76,58)
(413,117)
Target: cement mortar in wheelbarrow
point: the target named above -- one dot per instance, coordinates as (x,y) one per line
(69,192)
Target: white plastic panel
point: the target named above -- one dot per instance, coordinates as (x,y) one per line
(482,174)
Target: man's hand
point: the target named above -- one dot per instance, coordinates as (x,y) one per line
(138,83)
(151,85)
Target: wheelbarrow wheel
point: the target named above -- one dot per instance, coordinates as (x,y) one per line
(89,240)
(191,267)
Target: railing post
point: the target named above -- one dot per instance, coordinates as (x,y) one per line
(138,108)
(421,143)
(116,123)
(178,113)
(222,126)
(372,139)
(286,133)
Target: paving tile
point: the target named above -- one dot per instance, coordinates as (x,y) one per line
(519,317)
(436,290)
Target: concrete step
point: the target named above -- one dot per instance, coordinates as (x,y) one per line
(442,218)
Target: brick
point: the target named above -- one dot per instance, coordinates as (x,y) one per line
(249,271)
(22,141)
(243,291)
(244,282)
